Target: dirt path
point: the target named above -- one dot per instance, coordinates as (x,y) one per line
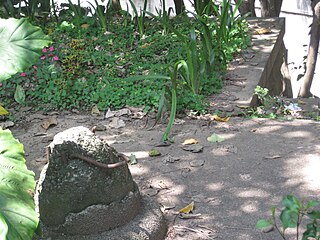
(232,183)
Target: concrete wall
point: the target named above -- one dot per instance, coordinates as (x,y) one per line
(298,14)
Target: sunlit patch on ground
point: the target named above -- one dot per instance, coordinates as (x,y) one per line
(311,171)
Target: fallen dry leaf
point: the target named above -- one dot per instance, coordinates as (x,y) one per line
(167,205)
(6,124)
(117,123)
(3,111)
(154,153)
(262,31)
(95,110)
(109,114)
(195,148)
(52,121)
(189,216)
(190,141)
(170,159)
(219,119)
(188,208)
(133,159)
(243,106)
(215,138)
(151,192)
(85,25)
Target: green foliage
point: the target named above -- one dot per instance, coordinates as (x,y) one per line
(18,218)
(25,9)
(20,46)
(94,68)
(203,7)
(74,13)
(231,30)
(263,95)
(100,15)
(139,17)
(173,77)
(270,107)
(292,214)
(162,16)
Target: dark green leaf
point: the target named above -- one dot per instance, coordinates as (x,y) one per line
(310,232)
(291,202)
(314,215)
(289,218)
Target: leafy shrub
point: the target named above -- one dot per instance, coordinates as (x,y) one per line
(292,214)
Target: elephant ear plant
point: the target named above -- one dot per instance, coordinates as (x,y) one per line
(18,218)
(20,47)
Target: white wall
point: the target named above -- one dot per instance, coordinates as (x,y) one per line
(298,14)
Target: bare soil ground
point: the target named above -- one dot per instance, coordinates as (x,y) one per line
(232,183)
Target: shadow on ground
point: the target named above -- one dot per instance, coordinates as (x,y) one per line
(233,183)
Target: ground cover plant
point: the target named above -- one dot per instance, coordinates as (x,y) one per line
(91,62)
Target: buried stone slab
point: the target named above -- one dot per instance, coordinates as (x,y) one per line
(86,188)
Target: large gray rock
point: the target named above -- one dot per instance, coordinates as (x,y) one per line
(75,197)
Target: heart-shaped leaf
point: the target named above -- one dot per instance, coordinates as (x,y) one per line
(20,46)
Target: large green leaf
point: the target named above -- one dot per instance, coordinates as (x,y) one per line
(18,218)
(20,46)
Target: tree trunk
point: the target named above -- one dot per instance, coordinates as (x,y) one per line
(247,6)
(179,6)
(270,8)
(312,51)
